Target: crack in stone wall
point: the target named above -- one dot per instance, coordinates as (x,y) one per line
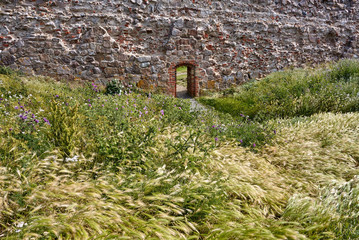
(139,40)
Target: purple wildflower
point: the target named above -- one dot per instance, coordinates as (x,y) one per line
(216,139)
(16,107)
(162,112)
(46,121)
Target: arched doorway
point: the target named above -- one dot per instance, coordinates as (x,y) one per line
(192,85)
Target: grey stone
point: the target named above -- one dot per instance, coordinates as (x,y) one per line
(144,59)
(145,64)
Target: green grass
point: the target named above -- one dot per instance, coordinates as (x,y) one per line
(299,92)
(182,76)
(79,163)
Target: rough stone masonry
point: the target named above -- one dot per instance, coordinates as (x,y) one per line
(143,41)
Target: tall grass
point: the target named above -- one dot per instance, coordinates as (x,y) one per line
(76,163)
(298,92)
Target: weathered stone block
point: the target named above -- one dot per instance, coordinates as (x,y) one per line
(144,59)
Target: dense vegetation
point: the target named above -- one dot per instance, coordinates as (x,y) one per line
(117,163)
(298,92)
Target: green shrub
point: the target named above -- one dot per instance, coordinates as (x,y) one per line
(8,71)
(114,87)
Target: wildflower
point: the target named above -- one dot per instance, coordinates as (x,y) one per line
(74,159)
(254,145)
(89,104)
(37,121)
(216,139)
(117,108)
(103,105)
(47,121)
(162,112)
(179,108)
(57,96)
(146,112)
(16,107)
(241,141)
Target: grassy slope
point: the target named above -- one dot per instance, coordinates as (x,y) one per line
(300,92)
(182,185)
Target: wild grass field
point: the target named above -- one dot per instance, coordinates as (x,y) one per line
(113,163)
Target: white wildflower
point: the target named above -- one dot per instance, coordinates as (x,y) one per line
(74,159)
(161,170)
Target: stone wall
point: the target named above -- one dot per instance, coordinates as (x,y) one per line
(142,41)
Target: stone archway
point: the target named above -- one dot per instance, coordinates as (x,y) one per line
(192,77)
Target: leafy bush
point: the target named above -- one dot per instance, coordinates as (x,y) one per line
(117,87)
(114,87)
